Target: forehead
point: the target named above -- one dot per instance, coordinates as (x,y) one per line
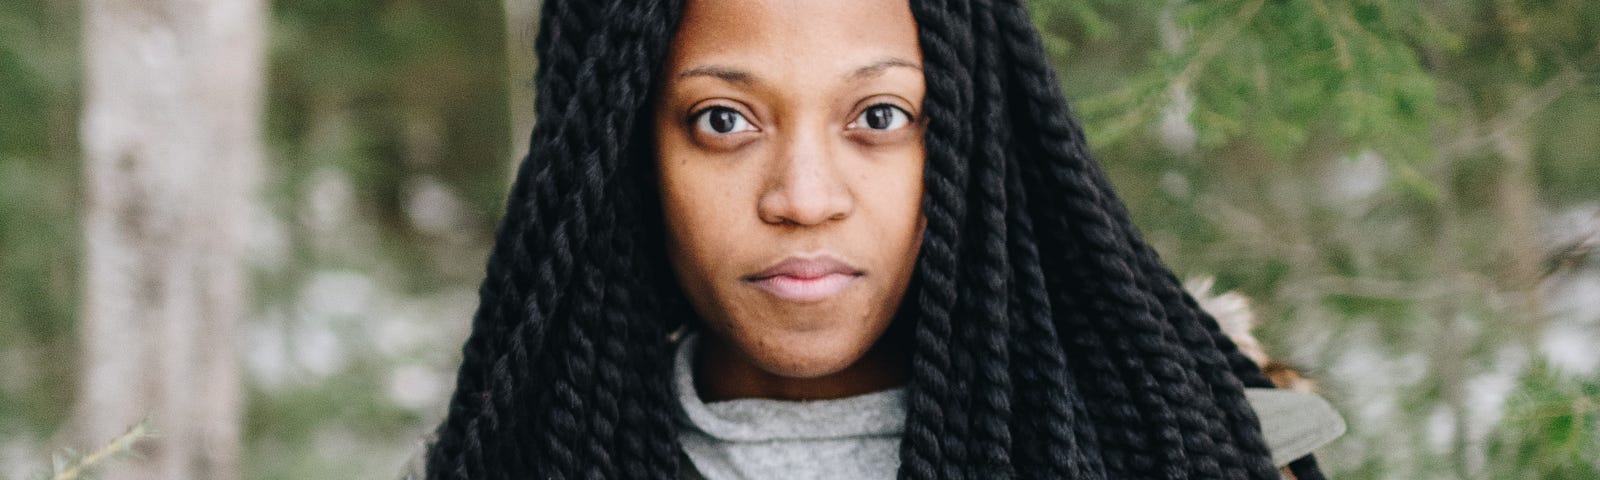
(793,39)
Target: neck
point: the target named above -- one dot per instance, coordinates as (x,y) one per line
(723,372)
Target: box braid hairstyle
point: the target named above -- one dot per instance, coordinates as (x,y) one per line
(1048,339)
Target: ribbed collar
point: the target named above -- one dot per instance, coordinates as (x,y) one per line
(1293,423)
(881,413)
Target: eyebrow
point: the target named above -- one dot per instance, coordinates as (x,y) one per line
(877,68)
(735,75)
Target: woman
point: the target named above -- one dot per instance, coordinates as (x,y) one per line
(831,239)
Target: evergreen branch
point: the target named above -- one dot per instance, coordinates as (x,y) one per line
(1217,43)
(1525,109)
(1340,45)
(1137,101)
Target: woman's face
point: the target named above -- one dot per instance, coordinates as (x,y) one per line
(789,154)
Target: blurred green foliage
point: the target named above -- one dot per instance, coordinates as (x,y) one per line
(1552,429)
(1407,190)
(375,99)
(39,192)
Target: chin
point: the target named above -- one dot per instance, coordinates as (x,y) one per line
(809,354)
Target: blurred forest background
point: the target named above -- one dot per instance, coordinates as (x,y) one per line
(1408,193)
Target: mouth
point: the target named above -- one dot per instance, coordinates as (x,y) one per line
(805,280)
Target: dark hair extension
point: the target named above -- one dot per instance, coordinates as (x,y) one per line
(1055,438)
(1047,338)
(1221,436)
(987,298)
(932,446)
(544,391)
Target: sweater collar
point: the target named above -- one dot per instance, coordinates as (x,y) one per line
(879,413)
(1293,423)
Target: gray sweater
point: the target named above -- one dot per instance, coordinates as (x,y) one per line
(859,437)
(853,437)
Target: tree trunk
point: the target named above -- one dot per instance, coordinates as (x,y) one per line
(172,150)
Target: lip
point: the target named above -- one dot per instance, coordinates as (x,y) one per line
(805,279)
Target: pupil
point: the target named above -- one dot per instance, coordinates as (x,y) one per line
(878,118)
(722,120)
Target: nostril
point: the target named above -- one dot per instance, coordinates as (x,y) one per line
(805,207)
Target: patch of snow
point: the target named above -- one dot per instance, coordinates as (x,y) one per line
(1571,348)
(416,387)
(1355,178)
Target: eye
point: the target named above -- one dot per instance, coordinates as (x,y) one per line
(722,120)
(882,116)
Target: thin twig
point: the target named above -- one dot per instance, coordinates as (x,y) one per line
(121,444)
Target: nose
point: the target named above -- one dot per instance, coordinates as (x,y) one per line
(806,187)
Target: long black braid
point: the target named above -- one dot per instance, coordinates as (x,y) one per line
(1048,338)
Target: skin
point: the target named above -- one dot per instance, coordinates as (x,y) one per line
(823,157)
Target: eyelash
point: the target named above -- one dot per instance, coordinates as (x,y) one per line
(702,119)
(904,117)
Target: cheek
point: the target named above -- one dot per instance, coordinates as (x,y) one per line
(895,193)
(703,225)
(688,220)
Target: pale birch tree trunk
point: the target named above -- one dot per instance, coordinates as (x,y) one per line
(172,147)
